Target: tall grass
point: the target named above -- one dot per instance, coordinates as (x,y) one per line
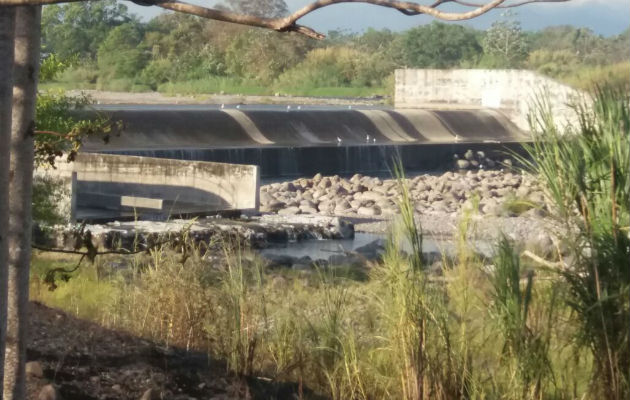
(525,350)
(487,329)
(586,171)
(589,77)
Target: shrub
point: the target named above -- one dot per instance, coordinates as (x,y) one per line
(586,172)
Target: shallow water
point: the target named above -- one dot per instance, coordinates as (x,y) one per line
(322,249)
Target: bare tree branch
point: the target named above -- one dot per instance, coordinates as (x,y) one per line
(508,5)
(289,23)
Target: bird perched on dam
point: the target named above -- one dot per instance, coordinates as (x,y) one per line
(338,140)
(367,138)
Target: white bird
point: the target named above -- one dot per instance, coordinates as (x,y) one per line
(367,138)
(373,140)
(222,106)
(238,106)
(338,140)
(349,107)
(288,108)
(457,139)
(299,107)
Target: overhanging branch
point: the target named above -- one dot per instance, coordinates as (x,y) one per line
(289,23)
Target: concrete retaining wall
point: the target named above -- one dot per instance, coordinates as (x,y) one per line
(510,91)
(161,186)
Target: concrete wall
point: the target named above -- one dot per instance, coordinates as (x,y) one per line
(510,91)
(192,128)
(103,181)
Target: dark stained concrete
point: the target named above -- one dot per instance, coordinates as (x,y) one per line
(290,142)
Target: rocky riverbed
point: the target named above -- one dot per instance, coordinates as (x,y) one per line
(501,201)
(495,193)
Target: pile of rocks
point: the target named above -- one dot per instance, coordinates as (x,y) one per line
(472,160)
(367,196)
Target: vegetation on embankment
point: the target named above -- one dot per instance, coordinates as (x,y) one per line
(473,328)
(102,46)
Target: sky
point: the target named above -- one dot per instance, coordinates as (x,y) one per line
(605,17)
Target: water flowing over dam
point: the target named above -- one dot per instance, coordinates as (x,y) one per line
(303,140)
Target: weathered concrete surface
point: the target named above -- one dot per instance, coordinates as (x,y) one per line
(509,91)
(114,182)
(188,129)
(181,185)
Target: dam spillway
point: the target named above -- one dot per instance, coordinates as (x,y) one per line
(304,140)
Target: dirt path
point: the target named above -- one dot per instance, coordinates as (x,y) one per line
(83,360)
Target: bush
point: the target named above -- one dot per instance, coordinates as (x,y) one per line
(329,67)
(51,203)
(84,73)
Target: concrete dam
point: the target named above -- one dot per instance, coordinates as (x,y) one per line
(304,140)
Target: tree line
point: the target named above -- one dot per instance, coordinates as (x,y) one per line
(104,46)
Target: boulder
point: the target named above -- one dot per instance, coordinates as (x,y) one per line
(369,211)
(372,250)
(358,188)
(326,206)
(462,164)
(324,183)
(374,196)
(265,197)
(342,206)
(275,205)
(341,228)
(308,209)
(290,210)
(288,187)
(356,178)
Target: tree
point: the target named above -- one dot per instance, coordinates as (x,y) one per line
(504,43)
(119,55)
(7,32)
(80,28)
(26,71)
(27,48)
(439,45)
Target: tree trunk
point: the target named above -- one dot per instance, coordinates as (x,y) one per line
(25,73)
(7,32)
